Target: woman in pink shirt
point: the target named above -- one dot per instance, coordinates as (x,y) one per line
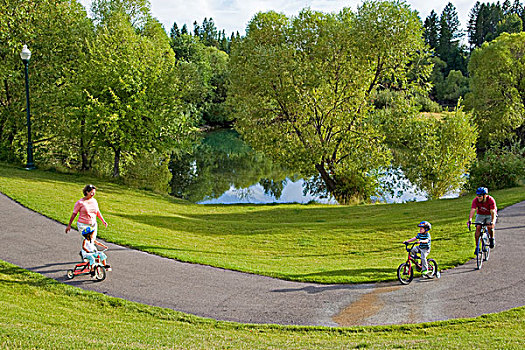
(87,210)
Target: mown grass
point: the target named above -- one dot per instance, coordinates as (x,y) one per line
(38,312)
(317,243)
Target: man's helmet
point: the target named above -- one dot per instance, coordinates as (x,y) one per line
(425,224)
(482,191)
(87,231)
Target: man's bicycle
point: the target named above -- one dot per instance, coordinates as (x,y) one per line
(405,271)
(482,246)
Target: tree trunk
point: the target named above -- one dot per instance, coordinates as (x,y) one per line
(330,183)
(83,151)
(116,164)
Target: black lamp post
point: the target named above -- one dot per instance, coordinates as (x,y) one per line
(26,55)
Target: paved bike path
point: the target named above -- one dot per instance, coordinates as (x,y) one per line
(39,244)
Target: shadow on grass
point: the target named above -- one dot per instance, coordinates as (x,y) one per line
(365,274)
(22,277)
(250,223)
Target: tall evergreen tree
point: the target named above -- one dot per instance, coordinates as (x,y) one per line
(196,29)
(449,49)
(431,33)
(209,35)
(488,18)
(517,7)
(506,7)
(174,32)
(449,29)
(475,36)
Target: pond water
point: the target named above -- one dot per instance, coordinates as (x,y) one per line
(224,170)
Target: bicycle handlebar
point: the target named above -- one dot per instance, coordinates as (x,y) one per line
(407,243)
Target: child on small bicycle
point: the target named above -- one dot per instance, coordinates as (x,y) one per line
(89,249)
(424,245)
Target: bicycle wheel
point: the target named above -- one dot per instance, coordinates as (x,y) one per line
(100,273)
(405,273)
(433,267)
(486,252)
(479,256)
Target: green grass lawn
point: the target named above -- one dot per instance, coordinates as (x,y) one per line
(317,243)
(38,312)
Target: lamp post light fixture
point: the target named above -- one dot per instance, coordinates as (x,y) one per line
(26,55)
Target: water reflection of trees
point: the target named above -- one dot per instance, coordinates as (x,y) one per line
(221,160)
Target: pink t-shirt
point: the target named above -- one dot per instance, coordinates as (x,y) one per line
(483,208)
(87,211)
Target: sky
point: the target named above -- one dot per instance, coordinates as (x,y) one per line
(234,15)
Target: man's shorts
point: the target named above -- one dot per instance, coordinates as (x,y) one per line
(483,219)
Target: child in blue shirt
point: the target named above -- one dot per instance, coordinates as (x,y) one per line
(424,245)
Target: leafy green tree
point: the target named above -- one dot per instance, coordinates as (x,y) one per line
(204,74)
(137,12)
(509,24)
(434,151)
(130,84)
(187,47)
(453,88)
(52,30)
(498,167)
(301,88)
(498,88)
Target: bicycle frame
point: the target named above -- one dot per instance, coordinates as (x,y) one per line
(483,232)
(84,267)
(411,260)
(405,271)
(98,269)
(483,251)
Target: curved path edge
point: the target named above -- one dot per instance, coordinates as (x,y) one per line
(39,244)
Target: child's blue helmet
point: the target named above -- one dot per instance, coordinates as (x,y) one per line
(425,224)
(87,231)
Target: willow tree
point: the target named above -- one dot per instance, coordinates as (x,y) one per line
(497,95)
(302,88)
(433,150)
